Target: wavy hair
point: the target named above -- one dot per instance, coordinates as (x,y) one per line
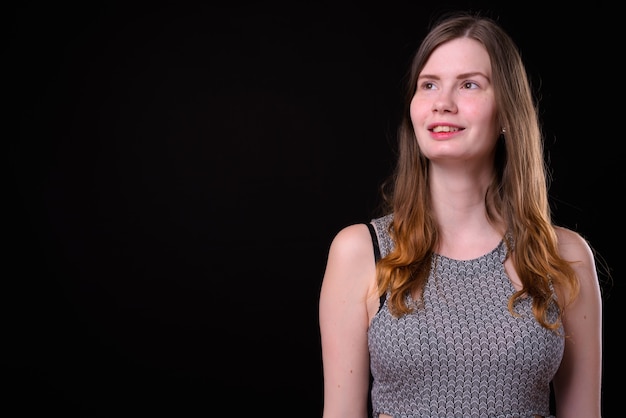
(517,196)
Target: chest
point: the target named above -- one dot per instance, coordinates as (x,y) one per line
(464,325)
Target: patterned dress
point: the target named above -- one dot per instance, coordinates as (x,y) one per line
(462,354)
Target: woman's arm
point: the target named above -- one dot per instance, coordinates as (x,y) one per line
(348,287)
(577,384)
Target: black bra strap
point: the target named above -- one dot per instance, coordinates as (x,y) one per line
(374,241)
(382,301)
(376,256)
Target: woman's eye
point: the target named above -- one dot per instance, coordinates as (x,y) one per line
(470,85)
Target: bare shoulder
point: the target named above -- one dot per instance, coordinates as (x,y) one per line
(576,249)
(352,241)
(350,268)
(572,246)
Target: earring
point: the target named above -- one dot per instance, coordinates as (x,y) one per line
(503,130)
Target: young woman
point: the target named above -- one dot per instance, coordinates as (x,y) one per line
(463,299)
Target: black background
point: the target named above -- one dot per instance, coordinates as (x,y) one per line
(178,171)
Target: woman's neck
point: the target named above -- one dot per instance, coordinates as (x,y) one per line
(459,205)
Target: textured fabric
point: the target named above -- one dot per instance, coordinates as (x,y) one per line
(463,354)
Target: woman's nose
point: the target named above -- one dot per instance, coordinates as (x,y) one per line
(444,102)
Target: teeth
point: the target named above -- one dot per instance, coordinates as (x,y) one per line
(445,129)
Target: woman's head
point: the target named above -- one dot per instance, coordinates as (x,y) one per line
(453,111)
(509,78)
(519,163)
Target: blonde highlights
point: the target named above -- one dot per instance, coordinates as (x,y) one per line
(517,196)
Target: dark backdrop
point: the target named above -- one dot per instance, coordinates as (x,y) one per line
(178,172)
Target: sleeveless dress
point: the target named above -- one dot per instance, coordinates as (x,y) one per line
(462,354)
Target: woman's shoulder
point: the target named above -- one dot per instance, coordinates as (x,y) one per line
(572,245)
(357,236)
(350,268)
(352,241)
(575,249)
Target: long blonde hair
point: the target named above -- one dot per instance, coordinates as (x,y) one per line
(518,194)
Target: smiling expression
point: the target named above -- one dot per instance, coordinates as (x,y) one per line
(453,110)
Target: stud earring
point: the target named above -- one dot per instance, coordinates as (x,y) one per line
(503,130)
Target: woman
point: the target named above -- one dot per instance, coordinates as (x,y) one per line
(463,299)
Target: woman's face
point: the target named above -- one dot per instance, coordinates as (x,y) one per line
(454,109)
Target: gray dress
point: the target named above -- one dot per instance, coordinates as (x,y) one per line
(463,354)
